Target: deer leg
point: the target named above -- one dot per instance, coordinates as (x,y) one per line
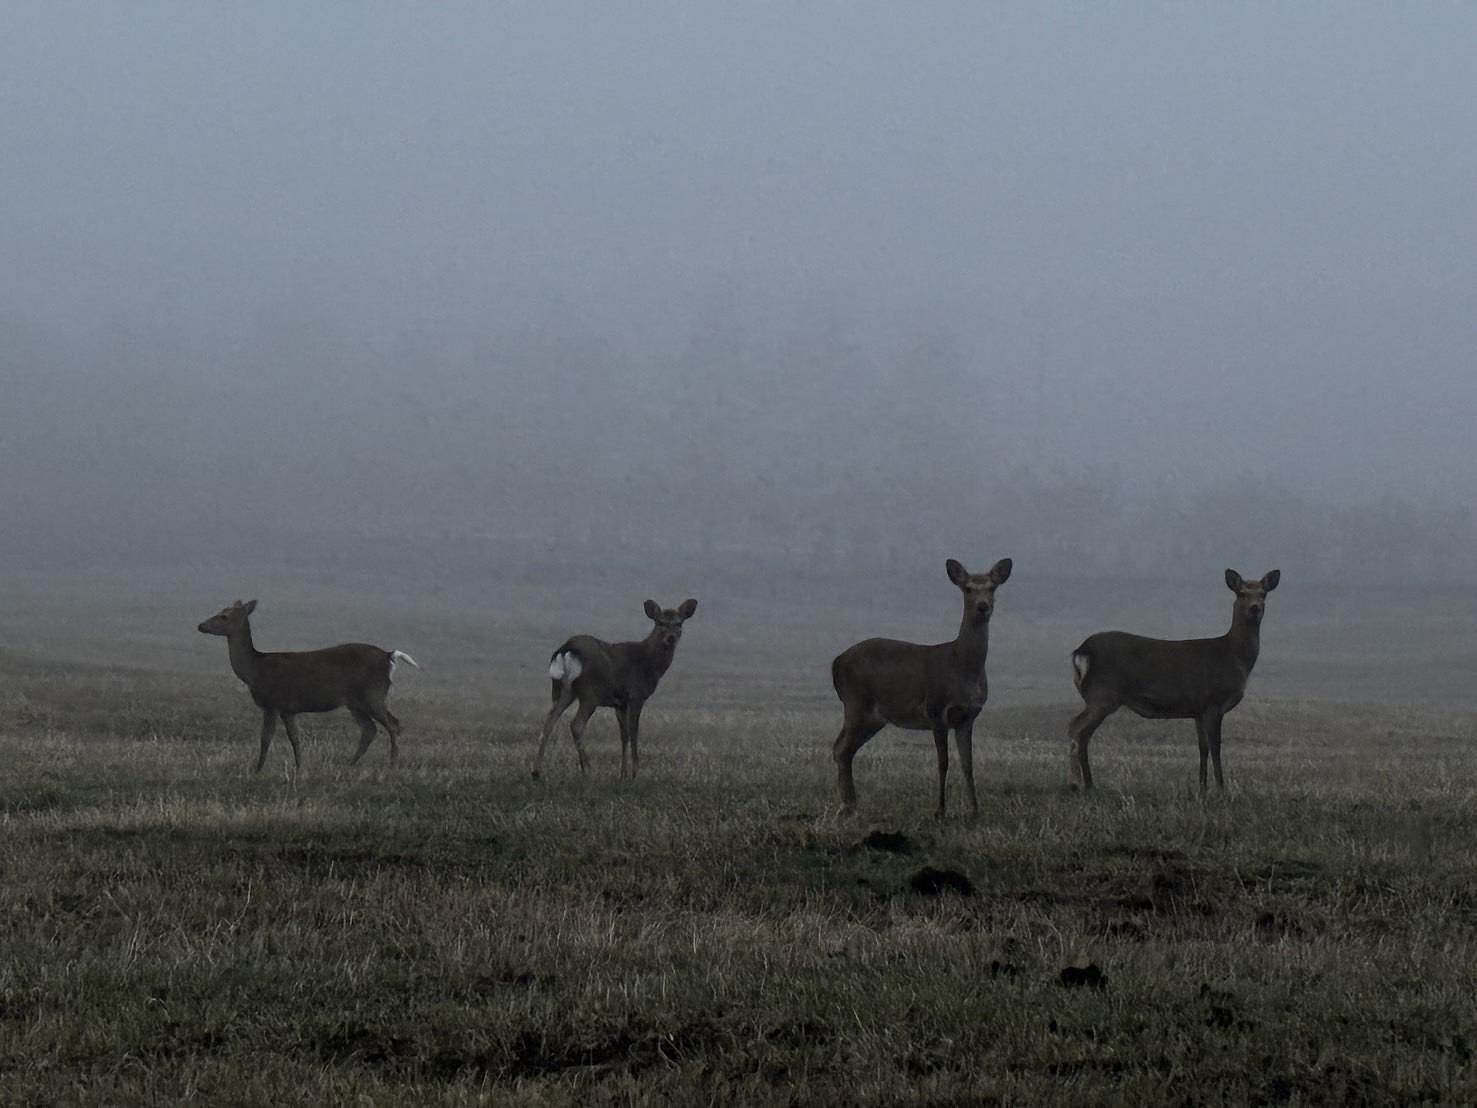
(289,724)
(964,745)
(380,712)
(941,744)
(1213,732)
(577,731)
(634,711)
(624,723)
(855,731)
(366,732)
(562,701)
(1080,730)
(1202,728)
(269,725)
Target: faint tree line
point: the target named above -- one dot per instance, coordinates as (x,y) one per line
(802,437)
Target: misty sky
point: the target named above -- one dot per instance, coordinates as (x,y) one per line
(1209,241)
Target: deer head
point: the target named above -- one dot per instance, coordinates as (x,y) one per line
(668,622)
(1251,596)
(229,619)
(978,588)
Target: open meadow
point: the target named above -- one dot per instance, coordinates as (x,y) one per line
(450,929)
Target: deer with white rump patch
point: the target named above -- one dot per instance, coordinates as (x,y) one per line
(920,688)
(1199,679)
(620,675)
(353,675)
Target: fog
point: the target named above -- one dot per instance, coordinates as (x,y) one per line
(1109,288)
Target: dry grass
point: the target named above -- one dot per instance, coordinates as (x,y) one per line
(450,930)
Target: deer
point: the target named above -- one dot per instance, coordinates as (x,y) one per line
(619,675)
(1199,679)
(920,688)
(352,675)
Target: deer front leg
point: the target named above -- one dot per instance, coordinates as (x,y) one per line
(1213,733)
(269,725)
(1202,733)
(623,721)
(289,724)
(634,712)
(964,745)
(941,744)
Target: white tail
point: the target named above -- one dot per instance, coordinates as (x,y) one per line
(401,656)
(1079,668)
(565,666)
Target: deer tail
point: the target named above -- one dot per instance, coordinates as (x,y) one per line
(401,656)
(1081,662)
(565,666)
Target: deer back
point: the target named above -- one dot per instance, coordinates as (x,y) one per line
(319,680)
(1162,678)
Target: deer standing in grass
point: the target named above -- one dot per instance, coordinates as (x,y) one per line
(353,675)
(620,675)
(1199,679)
(920,688)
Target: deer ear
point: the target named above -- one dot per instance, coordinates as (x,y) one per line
(687,608)
(1000,571)
(652,609)
(249,606)
(1233,580)
(957,573)
(1271,579)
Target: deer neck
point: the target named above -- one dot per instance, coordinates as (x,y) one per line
(1244,638)
(972,644)
(243,653)
(656,658)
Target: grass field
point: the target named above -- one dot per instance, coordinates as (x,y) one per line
(450,930)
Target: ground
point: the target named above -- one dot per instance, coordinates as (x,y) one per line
(449,929)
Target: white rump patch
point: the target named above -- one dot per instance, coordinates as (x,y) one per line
(401,656)
(565,667)
(1079,663)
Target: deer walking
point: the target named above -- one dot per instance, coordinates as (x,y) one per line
(920,688)
(620,675)
(1199,679)
(353,675)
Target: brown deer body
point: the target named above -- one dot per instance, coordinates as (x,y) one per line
(352,675)
(920,688)
(1199,679)
(620,675)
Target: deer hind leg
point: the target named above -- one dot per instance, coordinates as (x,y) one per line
(380,712)
(269,725)
(941,746)
(366,731)
(1080,730)
(577,732)
(289,724)
(860,725)
(563,698)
